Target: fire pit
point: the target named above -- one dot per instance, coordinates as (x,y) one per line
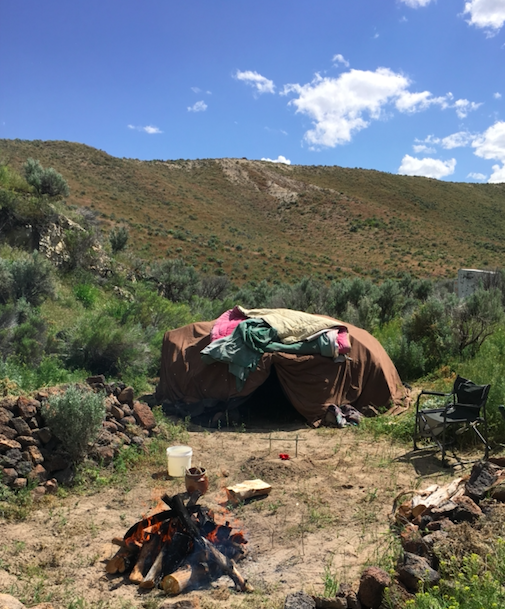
(179,548)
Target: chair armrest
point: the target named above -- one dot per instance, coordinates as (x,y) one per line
(439,393)
(468,406)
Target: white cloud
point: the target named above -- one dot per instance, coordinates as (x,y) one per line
(498,175)
(196,90)
(416,3)
(340,59)
(151,129)
(491,145)
(422,148)
(340,107)
(415,102)
(497,95)
(463,107)
(261,83)
(486,14)
(199,106)
(456,140)
(477,176)
(279,159)
(429,168)
(343,106)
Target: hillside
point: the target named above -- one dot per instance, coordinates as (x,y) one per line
(254,219)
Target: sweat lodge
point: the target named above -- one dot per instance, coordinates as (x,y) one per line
(319,362)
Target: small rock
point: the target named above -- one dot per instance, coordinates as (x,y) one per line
(144,415)
(98,379)
(412,540)
(5,416)
(18,484)
(466,511)
(416,570)
(482,478)
(52,486)
(27,407)
(35,454)
(110,426)
(24,468)
(33,423)
(9,602)
(299,600)
(116,412)
(38,473)
(105,454)
(138,440)
(8,432)
(128,412)
(39,492)
(123,438)
(7,445)
(26,441)
(44,434)
(21,426)
(10,402)
(129,420)
(126,396)
(372,584)
(9,475)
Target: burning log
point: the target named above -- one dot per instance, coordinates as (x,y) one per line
(145,559)
(185,577)
(226,564)
(122,560)
(179,548)
(168,560)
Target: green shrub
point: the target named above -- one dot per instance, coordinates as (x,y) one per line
(31,278)
(29,377)
(118,238)
(45,181)
(75,417)
(23,332)
(98,343)
(176,280)
(87,294)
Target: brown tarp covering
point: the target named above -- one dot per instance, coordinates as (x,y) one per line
(311,382)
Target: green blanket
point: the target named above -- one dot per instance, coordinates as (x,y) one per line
(242,350)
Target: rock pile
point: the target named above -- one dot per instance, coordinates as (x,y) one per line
(29,451)
(427,521)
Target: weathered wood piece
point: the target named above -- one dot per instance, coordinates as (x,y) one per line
(247,490)
(122,559)
(184,578)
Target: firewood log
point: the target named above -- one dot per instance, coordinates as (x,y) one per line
(227,565)
(183,578)
(169,558)
(146,558)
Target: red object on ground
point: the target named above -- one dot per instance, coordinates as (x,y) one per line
(284,456)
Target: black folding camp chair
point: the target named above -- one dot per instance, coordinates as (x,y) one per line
(464,408)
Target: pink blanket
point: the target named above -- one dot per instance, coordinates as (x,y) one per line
(226,323)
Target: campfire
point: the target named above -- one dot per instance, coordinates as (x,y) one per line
(180,548)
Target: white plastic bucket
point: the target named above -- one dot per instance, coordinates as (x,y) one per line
(178,460)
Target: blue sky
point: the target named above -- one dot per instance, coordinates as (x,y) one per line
(403,86)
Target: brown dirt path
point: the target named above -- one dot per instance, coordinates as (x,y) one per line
(328,512)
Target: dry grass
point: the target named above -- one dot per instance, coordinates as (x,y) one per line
(255,220)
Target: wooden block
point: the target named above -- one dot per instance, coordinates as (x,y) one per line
(247,490)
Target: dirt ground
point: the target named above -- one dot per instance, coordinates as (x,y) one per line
(327,514)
